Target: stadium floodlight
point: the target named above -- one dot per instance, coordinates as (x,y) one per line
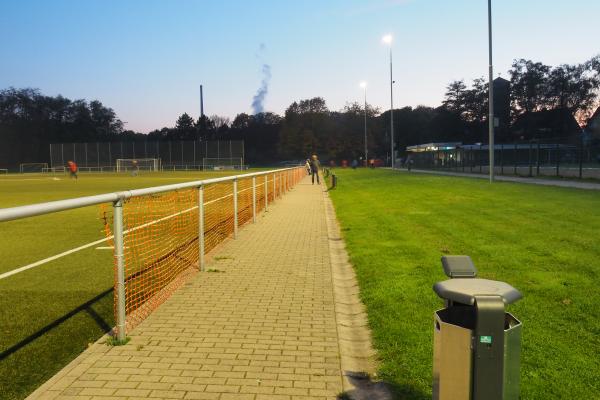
(363,85)
(387,39)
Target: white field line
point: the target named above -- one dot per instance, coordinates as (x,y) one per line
(85,246)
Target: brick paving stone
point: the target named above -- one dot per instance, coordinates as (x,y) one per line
(263,328)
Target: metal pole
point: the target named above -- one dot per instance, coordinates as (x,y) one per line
(235,209)
(254,199)
(51,164)
(266,192)
(515,157)
(537,160)
(557,159)
(120,258)
(581,157)
(201,228)
(392,108)
(366,149)
(530,165)
(491,94)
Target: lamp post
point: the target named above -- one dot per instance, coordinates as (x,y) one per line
(387,39)
(491,95)
(364,86)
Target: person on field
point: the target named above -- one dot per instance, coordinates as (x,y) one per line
(135,168)
(354,164)
(307,166)
(315,166)
(72,169)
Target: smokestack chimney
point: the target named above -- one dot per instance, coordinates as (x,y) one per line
(201,103)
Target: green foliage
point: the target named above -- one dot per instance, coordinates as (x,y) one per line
(542,240)
(114,341)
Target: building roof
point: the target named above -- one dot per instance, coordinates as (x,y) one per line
(594,121)
(547,122)
(433,146)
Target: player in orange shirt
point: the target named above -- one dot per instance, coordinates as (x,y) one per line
(72,169)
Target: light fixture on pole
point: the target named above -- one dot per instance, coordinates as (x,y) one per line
(491,119)
(364,86)
(387,39)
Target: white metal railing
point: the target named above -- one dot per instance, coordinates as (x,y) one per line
(117,198)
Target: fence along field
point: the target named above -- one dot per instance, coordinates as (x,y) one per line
(162,227)
(101,156)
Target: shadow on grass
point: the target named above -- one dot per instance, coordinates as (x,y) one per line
(87,307)
(367,389)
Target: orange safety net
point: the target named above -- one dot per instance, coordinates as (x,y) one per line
(161,231)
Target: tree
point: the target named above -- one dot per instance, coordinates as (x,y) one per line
(454,97)
(528,86)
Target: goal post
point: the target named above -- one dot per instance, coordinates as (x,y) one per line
(55,170)
(32,167)
(139,164)
(228,163)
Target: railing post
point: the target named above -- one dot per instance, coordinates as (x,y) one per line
(254,199)
(235,209)
(274,186)
(201,228)
(266,192)
(120,259)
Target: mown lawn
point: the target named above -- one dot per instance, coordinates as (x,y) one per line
(544,241)
(49,314)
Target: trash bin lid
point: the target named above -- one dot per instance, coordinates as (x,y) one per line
(464,290)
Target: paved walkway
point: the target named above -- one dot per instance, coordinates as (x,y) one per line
(261,326)
(533,181)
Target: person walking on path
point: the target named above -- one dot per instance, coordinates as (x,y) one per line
(307,166)
(315,166)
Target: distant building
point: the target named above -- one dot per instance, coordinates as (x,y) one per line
(546,124)
(502,109)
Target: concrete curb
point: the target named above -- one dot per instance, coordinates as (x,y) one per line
(357,357)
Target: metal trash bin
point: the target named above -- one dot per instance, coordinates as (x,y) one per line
(476,344)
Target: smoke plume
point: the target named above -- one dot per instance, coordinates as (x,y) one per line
(261,93)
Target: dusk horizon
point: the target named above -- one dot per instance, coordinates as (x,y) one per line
(147,60)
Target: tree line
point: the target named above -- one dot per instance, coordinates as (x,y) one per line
(29,120)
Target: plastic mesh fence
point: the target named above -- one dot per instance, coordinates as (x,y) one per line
(161,248)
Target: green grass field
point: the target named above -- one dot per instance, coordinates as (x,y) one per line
(49,314)
(544,241)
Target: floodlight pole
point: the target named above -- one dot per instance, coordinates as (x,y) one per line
(366,149)
(391,108)
(491,95)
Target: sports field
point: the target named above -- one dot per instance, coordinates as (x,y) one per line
(50,313)
(544,241)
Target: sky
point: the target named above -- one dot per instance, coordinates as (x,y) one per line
(147,58)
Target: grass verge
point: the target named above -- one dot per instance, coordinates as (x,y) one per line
(542,240)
